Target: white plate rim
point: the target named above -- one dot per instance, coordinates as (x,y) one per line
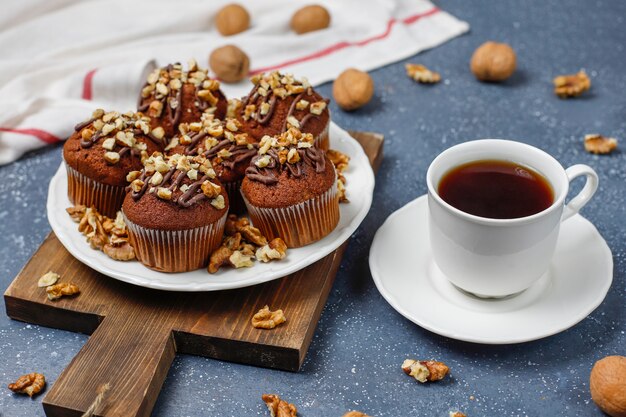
(396,305)
(89,257)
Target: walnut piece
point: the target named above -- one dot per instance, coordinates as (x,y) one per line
(229,63)
(276,249)
(355,414)
(599,144)
(566,86)
(353,89)
(309,19)
(457,414)
(279,407)
(47,279)
(218,258)
(29,384)
(424,371)
(232,19)
(57,291)
(239,260)
(340,161)
(266,319)
(493,62)
(103,233)
(421,74)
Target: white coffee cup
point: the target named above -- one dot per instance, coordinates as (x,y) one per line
(500,257)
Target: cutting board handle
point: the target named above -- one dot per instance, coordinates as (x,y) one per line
(130,354)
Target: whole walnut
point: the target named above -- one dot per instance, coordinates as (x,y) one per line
(309,19)
(608,385)
(493,62)
(353,89)
(229,63)
(232,19)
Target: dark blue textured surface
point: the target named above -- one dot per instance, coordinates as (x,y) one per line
(354,360)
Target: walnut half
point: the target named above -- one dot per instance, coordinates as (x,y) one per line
(421,74)
(599,144)
(424,371)
(29,384)
(266,319)
(278,407)
(566,86)
(57,291)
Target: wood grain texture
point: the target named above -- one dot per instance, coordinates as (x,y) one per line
(136,332)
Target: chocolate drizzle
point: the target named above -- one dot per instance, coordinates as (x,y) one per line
(238,153)
(258,100)
(192,195)
(269,174)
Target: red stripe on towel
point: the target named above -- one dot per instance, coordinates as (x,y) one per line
(38,133)
(87,85)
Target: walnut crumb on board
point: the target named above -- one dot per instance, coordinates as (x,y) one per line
(266,319)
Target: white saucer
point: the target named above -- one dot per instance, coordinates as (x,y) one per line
(360,180)
(405,274)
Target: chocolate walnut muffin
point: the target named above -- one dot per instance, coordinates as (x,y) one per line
(172,96)
(290,189)
(101,152)
(175,212)
(279,102)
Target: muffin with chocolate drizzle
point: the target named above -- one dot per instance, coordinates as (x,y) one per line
(278,102)
(172,96)
(290,189)
(175,211)
(101,152)
(229,150)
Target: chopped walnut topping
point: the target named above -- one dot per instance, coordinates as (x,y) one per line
(164,193)
(573,85)
(266,319)
(210,189)
(422,74)
(155,108)
(29,384)
(318,107)
(219,202)
(112,157)
(47,279)
(108,144)
(158,132)
(132,176)
(301,105)
(278,407)
(424,371)
(599,144)
(57,291)
(292,121)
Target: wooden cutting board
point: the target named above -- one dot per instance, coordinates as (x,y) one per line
(136,332)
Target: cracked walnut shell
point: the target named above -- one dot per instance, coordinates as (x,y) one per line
(424,371)
(29,384)
(572,85)
(266,319)
(493,62)
(599,144)
(278,407)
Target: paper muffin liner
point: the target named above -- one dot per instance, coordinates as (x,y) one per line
(322,140)
(107,199)
(235,200)
(298,224)
(176,250)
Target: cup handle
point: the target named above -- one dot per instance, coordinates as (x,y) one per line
(585,194)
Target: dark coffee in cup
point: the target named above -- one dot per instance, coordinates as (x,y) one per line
(496,189)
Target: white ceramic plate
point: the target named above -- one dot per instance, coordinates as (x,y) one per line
(407,277)
(360,187)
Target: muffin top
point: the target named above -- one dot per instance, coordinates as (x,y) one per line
(278,102)
(175,193)
(172,96)
(229,150)
(287,170)
(109,145)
